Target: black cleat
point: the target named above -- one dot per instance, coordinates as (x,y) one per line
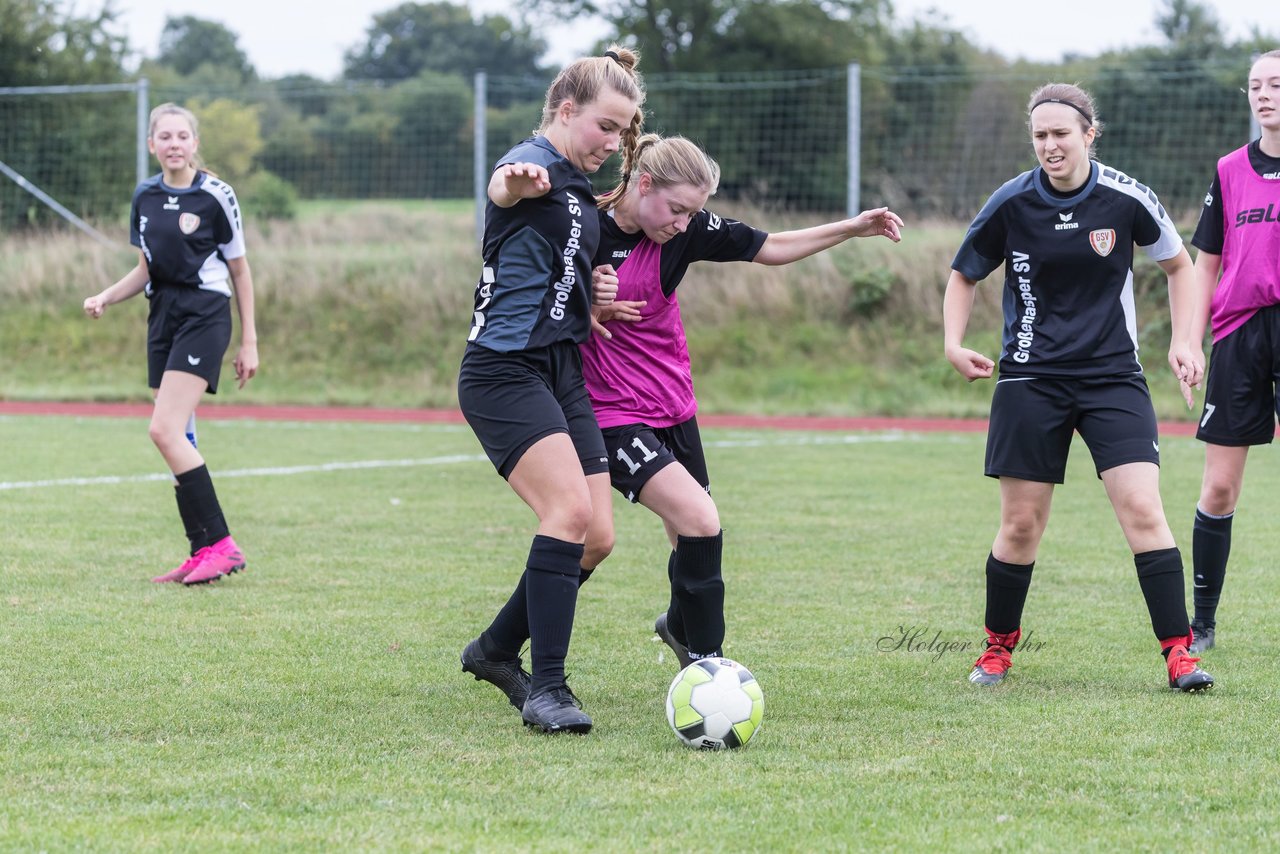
(682,652)
(1185,674)
(1201,638)
(508,674)
(556,710)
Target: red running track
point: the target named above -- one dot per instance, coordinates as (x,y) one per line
(453,416)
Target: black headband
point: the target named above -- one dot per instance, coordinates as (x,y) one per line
(1088,118)
(611,55)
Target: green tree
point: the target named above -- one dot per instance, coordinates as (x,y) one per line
(441,37)
(60,143)
(189,43)
(1192,28)
(738,35)
(230,137)
(42,44)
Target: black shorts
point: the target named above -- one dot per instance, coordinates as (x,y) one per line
(1032,421)
(512,400)
(637,452)
(1240,395)
(188,330)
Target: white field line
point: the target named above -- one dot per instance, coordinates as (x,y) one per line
(789,440)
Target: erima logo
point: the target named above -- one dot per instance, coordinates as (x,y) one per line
(1066,224)
(713,222)
(172,204)
(194,360)
(1208,199)
(1156,446)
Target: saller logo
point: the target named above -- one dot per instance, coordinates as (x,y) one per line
(1103,240)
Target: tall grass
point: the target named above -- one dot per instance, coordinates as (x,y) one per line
(369,303)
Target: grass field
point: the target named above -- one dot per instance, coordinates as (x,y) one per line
(315,702)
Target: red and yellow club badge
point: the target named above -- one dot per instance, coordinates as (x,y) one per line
(1103,240)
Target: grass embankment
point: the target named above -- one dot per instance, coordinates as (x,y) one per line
(370,304)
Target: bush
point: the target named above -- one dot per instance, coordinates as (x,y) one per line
(269,196)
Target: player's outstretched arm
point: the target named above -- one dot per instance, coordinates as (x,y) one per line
(130,285)
(785,247)
(957,305)
(512,182)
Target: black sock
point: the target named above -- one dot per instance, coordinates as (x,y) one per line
(1007,585)
(552,588)
(1210,548)
(510,629)
(1160,575)
(675,619)
(194,530)
(699,588)
(584,575)
(198,487)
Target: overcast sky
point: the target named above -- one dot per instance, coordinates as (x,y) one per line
(289,36)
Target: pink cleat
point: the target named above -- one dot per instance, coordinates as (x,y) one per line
(221,558)
(183,571)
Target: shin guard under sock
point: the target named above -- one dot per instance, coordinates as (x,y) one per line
(206,511)
(196,536)
(1007,585)
(699,588)
(1210,548)
(1160,575)
(510,629)
(552,588)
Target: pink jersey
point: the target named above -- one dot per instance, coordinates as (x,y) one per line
(642,374)
(1251,244)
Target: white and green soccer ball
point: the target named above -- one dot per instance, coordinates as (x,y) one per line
(714,704)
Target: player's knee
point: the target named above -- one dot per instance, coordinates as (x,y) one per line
(1219,497)
(572,519)
(597,549)
(701,525)
(1022,529)
(160,435)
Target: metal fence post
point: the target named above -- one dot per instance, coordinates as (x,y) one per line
(144,117)
(852,201)
(478,151)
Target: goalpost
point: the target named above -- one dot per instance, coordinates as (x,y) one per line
(35,124)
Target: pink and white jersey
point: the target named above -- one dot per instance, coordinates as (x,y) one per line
(643,375)
(1250,206)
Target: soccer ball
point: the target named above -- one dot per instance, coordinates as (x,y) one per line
(714,704)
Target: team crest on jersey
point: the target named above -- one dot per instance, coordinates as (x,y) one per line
(189,222)
(1103,240)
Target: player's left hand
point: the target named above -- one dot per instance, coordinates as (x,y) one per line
(623,309)
(1188,367)
(246,363)
(604,285)
(878,222)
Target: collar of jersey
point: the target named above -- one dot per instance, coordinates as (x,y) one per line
(1038,181)
(178,191)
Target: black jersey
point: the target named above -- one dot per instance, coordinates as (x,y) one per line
(187,234)
(1211,229)
(535,286)
(709,237)
(1068,295)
